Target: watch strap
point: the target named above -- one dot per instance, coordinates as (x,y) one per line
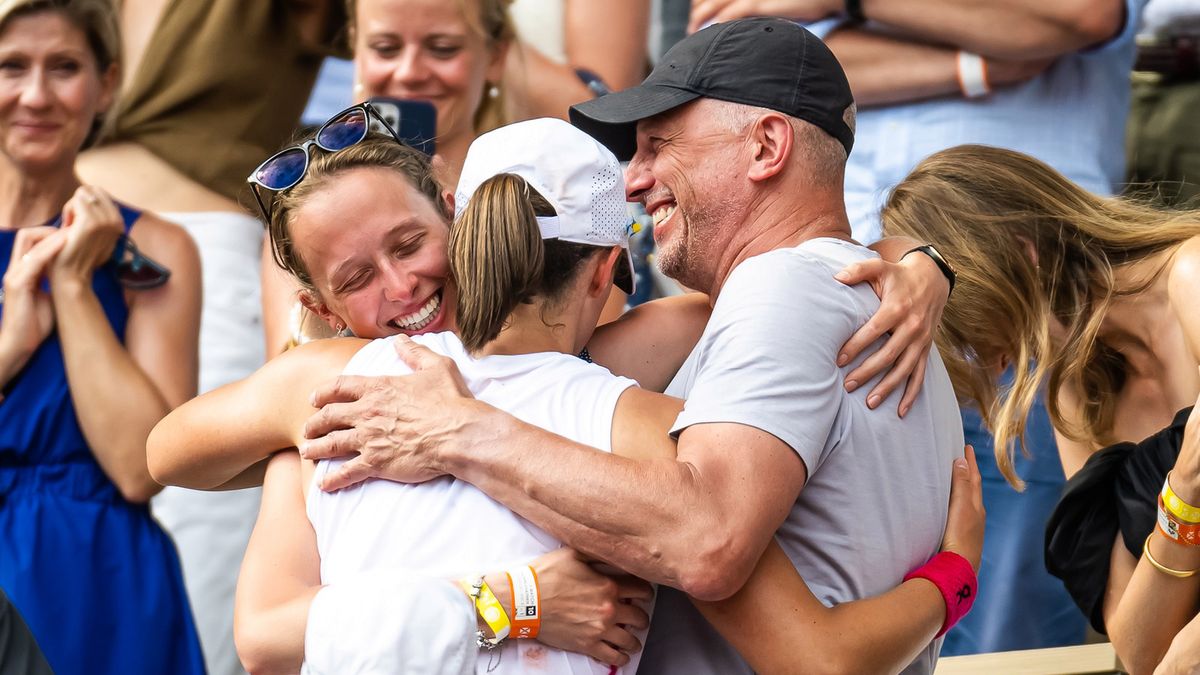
(929,250)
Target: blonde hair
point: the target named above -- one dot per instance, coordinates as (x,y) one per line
(499,260)
(1029,247)
(378,151)
(96,19)
(490,20)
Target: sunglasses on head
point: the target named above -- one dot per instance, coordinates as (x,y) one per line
(136,270)
(287,167)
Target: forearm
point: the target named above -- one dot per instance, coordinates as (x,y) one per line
(12,361)
(540,87)
(1007,29)
(650,342)
(775,616)
(609,39)
(270,637)
(885,70)
(1154,606)
(649,518)
(115,401)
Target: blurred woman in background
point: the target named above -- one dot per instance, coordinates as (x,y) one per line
(97,343)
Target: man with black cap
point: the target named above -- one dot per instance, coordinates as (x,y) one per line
(738,142)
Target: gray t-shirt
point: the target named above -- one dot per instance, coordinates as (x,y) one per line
(874,507)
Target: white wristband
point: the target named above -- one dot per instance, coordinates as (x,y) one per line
(972,75)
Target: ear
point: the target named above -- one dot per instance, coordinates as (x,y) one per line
(110,80)
(448,205)
(772,139)
(495,69)
(601,282)
(314,304)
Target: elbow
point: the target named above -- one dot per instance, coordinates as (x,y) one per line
(138,489)
(1135,655)
(251,639)
(1087,23)
(1100,21)
(158,458)
(719,569)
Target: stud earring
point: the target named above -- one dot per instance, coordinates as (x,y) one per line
(493,91)
(358,90)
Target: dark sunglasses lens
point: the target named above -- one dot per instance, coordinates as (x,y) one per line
(137,271)
(141,276)
(343,131)
(281,171)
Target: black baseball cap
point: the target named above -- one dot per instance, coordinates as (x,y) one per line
(764,62)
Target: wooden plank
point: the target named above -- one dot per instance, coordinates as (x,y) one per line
(1097,658)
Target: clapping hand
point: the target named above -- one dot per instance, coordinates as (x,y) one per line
(28,315)
(92,224)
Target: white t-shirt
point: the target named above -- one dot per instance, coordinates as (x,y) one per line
(447,528)
(874,507)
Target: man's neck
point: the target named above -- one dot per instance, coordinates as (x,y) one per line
(777,225)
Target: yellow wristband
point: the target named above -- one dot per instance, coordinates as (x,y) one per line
(489,609)
(1176,506)
(1178,574)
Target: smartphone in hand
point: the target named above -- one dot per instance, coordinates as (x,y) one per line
(415,122)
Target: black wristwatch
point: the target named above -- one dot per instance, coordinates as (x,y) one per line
(855,12)
(938,260)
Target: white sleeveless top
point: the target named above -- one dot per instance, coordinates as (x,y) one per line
(447,528)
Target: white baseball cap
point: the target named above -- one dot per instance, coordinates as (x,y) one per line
(579,177)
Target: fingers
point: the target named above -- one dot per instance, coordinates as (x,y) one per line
(623,640)
(888,318)
(870,271)
(345,389)
(33,248)
(416,356)
(352,472)
(330,418)
(607,654)
(901,373)
(632,616)
(340,443)
(632,588)
(915,383)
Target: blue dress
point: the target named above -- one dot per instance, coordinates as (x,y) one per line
(95,577)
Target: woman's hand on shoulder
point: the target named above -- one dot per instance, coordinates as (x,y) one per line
(28,314)
(588,612)
(912,294)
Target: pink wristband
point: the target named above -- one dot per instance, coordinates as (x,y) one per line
(955,578)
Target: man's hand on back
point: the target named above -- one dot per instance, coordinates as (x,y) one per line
(391,427)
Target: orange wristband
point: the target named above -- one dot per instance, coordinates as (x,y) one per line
(1175,529)
(526,602)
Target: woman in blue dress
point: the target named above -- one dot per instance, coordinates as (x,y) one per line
(97,343)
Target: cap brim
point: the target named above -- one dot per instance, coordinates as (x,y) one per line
(612,119)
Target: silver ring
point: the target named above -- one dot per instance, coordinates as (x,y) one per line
(25,257)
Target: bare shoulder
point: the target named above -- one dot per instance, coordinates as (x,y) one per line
(1185,270)
(1182,280)
(165,242)
(314,362)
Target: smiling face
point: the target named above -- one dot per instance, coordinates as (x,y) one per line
(51,91)
(684,173)
(375,248)
(427,50)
